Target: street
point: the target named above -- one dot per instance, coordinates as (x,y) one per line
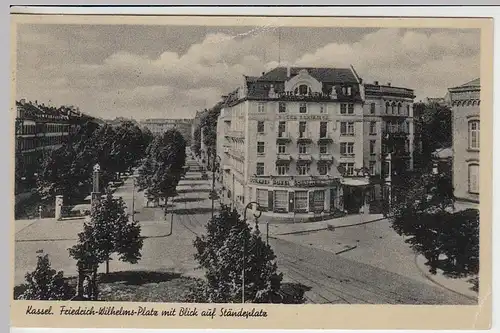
(379,270)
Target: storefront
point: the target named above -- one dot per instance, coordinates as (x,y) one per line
(288,197)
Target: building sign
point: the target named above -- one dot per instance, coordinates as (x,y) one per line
(312,95)
(302,117)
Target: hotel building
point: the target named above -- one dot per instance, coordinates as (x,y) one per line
(303,141)
(465,103)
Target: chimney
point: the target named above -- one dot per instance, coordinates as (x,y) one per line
(388,84)
(288,71)
(263,73)
(376,83)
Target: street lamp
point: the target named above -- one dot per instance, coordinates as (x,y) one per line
(244,244)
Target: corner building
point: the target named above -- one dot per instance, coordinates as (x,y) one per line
(294,141)
(465,102)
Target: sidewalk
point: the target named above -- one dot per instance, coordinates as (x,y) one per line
(459,286)
(277,229)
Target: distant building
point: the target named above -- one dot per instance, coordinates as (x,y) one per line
(465,103)
(436,100)
(160,126)
(304,141)
(40,129)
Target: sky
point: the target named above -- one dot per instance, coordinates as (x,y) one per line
(172,71)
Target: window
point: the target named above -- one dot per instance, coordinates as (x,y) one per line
(303,108)
(372,168)
(281,149)
(350,108)
(343,108)
(322,169)
(281,200)
(474,134)
(393,108)
(261,108)
(346,128)
(282,170)
(322,108)
(372,147)
(347,148)
(387,106)
(373,127)
(474,178)
(344,90)
(302,148)
(303,89)
(281,128)
(407,110)
(372,108)
(399,108)
(260,127)
(349,91)
(323,148)
(282,107)
(260,169)
(302,128)
(319,201)
(260,148)
(302,169)
(323,128)
(262,198)
(301,201)
(349,167)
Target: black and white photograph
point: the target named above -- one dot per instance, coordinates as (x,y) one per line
(263,164)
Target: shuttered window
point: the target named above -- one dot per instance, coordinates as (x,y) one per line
(301,201)
(262,198)
(280,201)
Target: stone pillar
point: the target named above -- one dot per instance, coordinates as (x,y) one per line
(58,206)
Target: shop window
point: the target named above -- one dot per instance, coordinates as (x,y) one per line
(301,201)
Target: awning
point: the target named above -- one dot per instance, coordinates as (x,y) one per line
(355,181)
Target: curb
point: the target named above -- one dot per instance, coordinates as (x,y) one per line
(429,277)
(359,223)
(300,232)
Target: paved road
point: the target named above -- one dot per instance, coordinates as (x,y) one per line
(355,277)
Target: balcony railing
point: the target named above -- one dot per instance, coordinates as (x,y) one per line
(283,157)
(236,134)
(326,157)
(283,136)
(304,137)
(291,181)
(304,157)
(324,138)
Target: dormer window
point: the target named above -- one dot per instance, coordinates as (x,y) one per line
(302,90)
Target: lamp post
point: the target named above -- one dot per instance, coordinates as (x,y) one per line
(244,244)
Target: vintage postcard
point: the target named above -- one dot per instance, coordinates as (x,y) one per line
(251,172)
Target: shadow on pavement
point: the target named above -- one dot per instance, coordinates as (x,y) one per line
(199,210)
(189,199)
(194,190)
(137,277)
(293,293)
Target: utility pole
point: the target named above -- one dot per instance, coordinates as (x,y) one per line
(267,233)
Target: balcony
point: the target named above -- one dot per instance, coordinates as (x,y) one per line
(283,157)
(304,137)
(326,157)
(304,158)
(324,138)
(236,134)
(283,137)
(394,134)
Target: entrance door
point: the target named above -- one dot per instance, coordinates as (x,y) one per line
(353,199)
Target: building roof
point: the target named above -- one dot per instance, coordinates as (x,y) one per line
(476,83)
(334,75)
(443,153)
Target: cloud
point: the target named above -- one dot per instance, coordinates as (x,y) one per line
(175,83)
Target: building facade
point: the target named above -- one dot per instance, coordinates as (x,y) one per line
(38,130)
(465,103)
(160,126)
(296,140)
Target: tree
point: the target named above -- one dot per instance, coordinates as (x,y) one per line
(44,283)
(197,140)
(220,253)
(108,231)
(433,129)
(449,241)
(163,167)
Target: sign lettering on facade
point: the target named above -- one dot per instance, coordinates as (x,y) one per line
(302,117)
